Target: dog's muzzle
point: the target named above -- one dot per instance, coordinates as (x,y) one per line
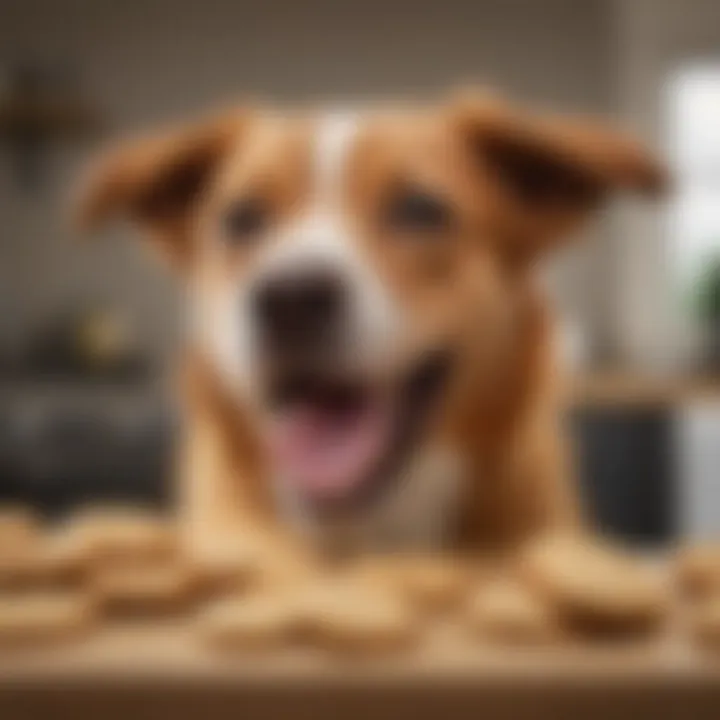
(299,313)
(335,425)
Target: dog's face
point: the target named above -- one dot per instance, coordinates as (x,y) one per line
(334,246)
(348,270)
(340,266)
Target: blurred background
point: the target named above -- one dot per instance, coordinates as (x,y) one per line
(87,331)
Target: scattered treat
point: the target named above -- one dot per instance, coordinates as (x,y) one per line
(45,567)
(227,569)
(258,622)
(430,583)
(698,571)
(19,538)
(120,534)
(40,561)
(19,527)
(251,561)
(504,611)
(704,623)
(595,588)
(354,617)
(144,589)
(44,617)
(17,567)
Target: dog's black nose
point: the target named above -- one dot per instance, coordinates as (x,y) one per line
(299,306)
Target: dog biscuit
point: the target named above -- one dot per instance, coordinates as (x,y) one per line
(504,611)
(698,570)
(121,534)
(428,583)
(18,527)
(37,559)
(593,586)
(146,589)
(704,623)
(357,618)
(257,622)
(43,617)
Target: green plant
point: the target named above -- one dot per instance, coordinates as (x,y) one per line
(708,292)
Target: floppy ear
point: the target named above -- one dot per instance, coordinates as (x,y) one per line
(156,181)
(543,174)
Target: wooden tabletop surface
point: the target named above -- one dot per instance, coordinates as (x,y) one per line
(160,670)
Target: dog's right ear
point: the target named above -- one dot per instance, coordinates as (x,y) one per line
(156,181)
(544,175)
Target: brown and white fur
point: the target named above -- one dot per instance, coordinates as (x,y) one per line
(489,470)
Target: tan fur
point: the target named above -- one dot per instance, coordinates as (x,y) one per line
(502,412)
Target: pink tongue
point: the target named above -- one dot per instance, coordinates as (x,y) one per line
(326,452)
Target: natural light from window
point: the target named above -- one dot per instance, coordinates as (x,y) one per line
(694,144)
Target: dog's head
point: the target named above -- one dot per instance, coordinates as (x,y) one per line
(347,268)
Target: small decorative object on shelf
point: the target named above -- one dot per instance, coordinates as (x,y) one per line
(88,343)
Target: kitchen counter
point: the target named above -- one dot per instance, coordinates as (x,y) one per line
(603,386)
(624,387)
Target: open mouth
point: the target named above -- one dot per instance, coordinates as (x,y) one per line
(337,442)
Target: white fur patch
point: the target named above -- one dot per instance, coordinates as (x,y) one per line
(335,136)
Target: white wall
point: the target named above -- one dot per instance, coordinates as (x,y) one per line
(654,37)
(159,59)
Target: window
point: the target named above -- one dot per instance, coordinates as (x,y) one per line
(694,143)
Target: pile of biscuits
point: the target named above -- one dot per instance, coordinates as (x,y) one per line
(101,562)
(105,564)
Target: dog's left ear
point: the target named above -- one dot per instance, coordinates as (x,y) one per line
(543,175)
(155,182)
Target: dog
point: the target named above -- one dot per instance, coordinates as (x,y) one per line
(369,362)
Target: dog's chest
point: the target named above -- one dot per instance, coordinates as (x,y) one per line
(419,512)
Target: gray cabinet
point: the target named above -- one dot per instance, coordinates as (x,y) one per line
(625,457)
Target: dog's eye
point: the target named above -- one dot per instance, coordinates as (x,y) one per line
(418,211)
(244,220)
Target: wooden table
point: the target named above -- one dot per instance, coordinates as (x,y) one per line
(138,671)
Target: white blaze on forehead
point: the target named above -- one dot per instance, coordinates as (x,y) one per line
(335,135)
(320,233)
